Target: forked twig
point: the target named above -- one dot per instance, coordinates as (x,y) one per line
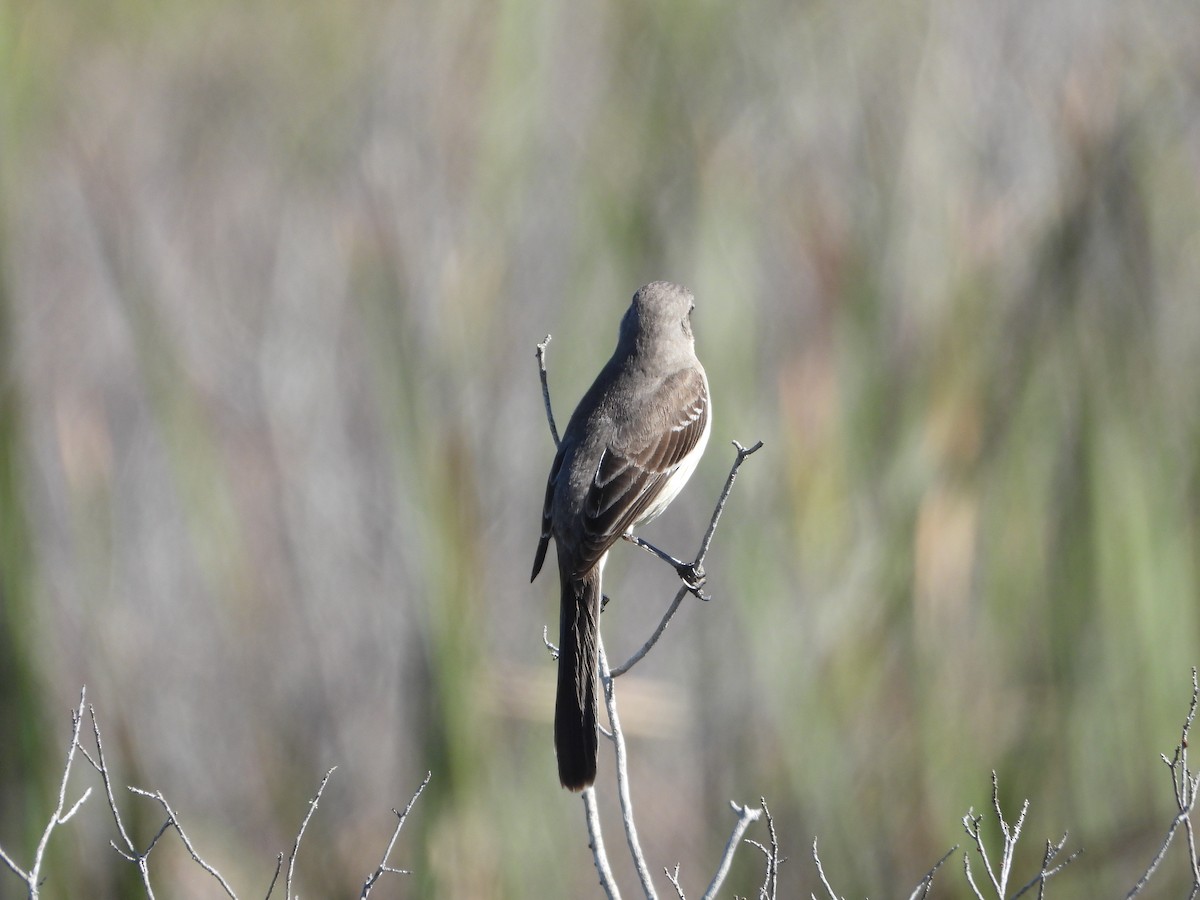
(173,822)
(1186,785)
(1011,834)
(770,886)
(383,867)
(33,877)
(698,565)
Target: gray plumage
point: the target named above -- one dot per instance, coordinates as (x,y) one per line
(630,446)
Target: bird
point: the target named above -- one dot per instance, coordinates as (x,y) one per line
(630,446)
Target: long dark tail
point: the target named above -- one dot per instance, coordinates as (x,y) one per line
(575,709)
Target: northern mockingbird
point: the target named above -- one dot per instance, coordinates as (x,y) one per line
(631,445)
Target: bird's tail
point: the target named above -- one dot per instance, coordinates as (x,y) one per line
(575,709)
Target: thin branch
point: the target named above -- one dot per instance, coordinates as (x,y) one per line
(653,639)
(400,817)
(1011,834)
(1183,817)
(746,815)
(130,851)
(673,877)
(1186,787)
(8,861)
(57,817)
(141,858)
(742,453)
(312,806)
(275,877)
(618,739)
(541,360)
(821,873)
(696,567)
(100,766)
(173,821)
(596,842)
(692,574)
(922,889)
(32,878)
(1052,851)
(770,888)
(66,817)
(970,877)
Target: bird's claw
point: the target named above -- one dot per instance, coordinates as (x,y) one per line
(693,576)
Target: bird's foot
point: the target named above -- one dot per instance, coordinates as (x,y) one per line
(693,577)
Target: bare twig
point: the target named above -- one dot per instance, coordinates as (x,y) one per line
(1053,848)
(692,573)
(921,891)
(618,739)
(383,866)
(747,815)
(742,453)
(130,852)
(173,821)
(821,874)
(312,807)
(17,870)
(1186,785)
(697,567)
(541,360)
(1011,834)
(275,877)
(33,877)
(673,877)
(596,842)
(653,639)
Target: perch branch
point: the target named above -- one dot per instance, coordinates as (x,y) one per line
(541,360)
(596,842)
(618,739)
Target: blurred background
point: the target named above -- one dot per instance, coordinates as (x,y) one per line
(272,446)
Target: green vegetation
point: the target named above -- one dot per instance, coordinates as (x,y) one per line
(272,444)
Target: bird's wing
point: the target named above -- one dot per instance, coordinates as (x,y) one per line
(639,460)
(547,507)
